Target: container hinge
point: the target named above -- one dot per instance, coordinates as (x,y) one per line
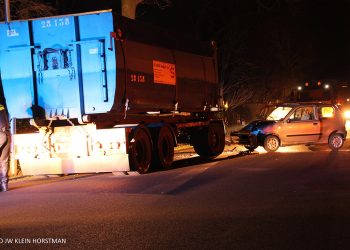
(71,73)
(113,35)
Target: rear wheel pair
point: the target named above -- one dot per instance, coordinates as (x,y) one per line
(144,151)
(156,148)
(209,142)
(163,152)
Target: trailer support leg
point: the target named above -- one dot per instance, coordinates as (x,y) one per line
(13,163)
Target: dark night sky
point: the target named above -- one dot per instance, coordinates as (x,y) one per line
(318,31)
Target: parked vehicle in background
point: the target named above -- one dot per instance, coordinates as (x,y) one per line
(296,123)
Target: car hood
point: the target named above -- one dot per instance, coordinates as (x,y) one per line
(257,125)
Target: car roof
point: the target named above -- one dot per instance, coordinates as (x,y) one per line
(295,104)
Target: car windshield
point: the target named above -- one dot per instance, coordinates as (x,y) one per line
(279,113)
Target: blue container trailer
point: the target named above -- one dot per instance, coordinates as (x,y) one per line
(104,93)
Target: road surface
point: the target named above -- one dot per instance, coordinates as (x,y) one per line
(295,199)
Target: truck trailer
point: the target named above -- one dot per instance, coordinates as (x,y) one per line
(97,92)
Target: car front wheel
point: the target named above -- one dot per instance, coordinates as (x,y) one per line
(335,141)
(271,143)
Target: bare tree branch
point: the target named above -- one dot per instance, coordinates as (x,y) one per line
(129,6)
(161,4)
(24,9)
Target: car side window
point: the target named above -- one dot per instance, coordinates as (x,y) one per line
(326,112)
(303,114)
(296,115)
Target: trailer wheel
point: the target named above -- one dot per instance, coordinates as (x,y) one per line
(210,141)
(140,150)
(163,152)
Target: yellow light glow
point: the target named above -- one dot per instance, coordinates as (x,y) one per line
(326,86)
(71,142)
(347,114)
(226,105)
(288,149)
(327,112)
(300,88)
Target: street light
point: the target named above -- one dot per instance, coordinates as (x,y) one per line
(226,106)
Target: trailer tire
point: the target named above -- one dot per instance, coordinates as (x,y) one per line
(210,141)
(140,150)
(163,151)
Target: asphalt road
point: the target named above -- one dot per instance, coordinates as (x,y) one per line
(296,199)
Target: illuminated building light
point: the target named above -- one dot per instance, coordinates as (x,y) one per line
(300,88)
(326,86)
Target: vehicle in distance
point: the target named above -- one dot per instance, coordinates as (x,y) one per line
(296,123)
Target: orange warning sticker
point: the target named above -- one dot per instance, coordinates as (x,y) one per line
(164,73)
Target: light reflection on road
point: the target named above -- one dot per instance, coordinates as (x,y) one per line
(303,148)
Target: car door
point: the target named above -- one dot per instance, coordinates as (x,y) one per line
(329,121)
(301,126)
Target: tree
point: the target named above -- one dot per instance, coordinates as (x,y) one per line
(129,6)
(263,48)
(238,70)
(24,9)
(126,7)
